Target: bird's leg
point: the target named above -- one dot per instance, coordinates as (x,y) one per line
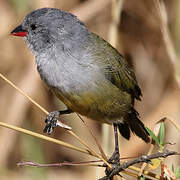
(114,159)
(52,121)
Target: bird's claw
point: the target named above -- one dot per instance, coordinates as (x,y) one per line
(114,161)
(114,165)
(51,121)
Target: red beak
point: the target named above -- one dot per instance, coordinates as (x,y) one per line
(18,31)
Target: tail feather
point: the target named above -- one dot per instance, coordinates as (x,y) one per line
(124,130)
(137,126)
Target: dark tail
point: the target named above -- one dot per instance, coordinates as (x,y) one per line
(124,130)
(132,121)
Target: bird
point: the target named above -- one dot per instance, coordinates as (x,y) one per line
(83,71)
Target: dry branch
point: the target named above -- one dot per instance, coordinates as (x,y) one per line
(39,165)
(144,158)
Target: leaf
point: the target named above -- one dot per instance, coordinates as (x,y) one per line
(161,134)
(177,172)
(156,164)
(142,178)
(153,136)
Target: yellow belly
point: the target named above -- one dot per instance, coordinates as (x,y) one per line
(102,106)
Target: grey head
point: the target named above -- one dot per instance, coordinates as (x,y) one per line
(47,26)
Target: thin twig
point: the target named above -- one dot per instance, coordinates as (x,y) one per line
(95,139)
(40,136)
(22,92)
(165,31)
(116,18)
(62,143)
(89,148)
(161,9)
(143,158)
(39,165)
(177,126)
(169,172)
(148,173)
(162,170)
(144,164)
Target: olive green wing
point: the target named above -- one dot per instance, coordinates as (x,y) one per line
(121,75)
(115,67)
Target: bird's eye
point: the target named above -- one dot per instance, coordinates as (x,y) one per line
(33,26)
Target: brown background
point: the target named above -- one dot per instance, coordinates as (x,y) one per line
(141,37)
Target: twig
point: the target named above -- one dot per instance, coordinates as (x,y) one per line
(94,137)
(143,158)
(22,92)
(116,18)
(144,164)
(162,170)
(177,126)
(39,165)
(62,143)
(169,172)
(165,31)
(89,148)
(148,173)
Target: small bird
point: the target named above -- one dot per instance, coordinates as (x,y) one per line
(84,71)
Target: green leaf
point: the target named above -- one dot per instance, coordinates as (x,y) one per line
(153,136)
(161,133)
(142,178)
(172,168)
(177,172)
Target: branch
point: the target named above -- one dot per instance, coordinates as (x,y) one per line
(143,158)
(35,164)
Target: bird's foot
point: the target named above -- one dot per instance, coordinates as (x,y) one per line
(52,120)
(114,160)
(109,170)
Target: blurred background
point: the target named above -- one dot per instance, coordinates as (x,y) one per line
(147,36)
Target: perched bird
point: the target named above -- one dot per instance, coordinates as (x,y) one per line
(84,71)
